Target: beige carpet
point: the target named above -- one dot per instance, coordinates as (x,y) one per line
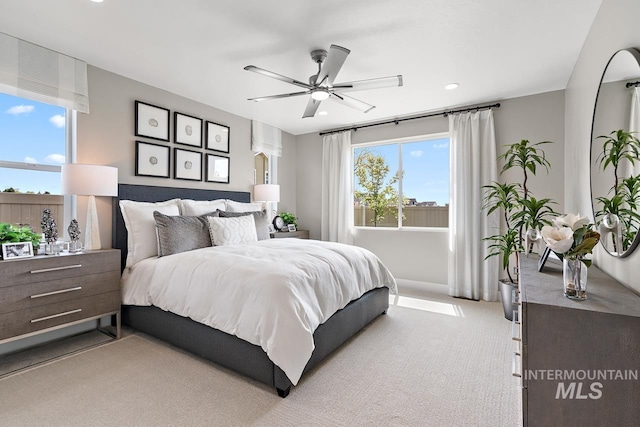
(432,361)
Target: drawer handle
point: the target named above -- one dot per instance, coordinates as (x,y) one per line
(515,327)
(46,270)
(514,366)
(63,291)
(66,313)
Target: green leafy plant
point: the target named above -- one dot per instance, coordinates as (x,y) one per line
(288,218)
(623,201)
(14,234)
(520,211)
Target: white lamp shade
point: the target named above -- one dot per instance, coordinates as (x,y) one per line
(89,180)
(266,193)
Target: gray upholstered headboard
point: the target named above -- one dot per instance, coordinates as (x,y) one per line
(145,193)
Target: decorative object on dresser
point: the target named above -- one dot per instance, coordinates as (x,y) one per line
(571,238)
(577,361)
(187,130)
(152,160)
(15,234)
(49,231)
(43,293)
(217,137)
(90,180)
(523,214)
(151,121)
(17,250)
(217,168)
(74,236)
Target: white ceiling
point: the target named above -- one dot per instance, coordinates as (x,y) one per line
(495,49)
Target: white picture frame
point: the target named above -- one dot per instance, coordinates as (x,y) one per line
(151,121)
(16,250)
(187,130)
(217,137)
(291,227)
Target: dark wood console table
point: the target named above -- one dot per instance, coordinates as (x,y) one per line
(579,361)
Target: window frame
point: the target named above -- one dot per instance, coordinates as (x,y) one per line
(400,142)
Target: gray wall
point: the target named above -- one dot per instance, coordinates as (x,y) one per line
(422,255)
(602,42)
(106,136)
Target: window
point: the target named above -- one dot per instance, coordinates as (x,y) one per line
(33,145)
(416,197)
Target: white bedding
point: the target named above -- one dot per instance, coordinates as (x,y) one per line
(273,293)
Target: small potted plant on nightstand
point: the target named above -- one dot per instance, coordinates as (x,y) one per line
(288,218)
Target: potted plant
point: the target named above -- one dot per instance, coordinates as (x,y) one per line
(520,212)
(16,234)
(288,218)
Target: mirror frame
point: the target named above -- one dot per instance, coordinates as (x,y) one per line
(636,240)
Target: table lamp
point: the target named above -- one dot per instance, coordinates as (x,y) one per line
(266,193)
(90,180)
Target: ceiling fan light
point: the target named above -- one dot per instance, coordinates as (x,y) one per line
(320,94)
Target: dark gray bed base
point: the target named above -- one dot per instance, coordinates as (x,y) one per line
(220,347)
(246,358)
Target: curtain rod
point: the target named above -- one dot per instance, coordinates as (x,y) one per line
(634,84)
(424,116)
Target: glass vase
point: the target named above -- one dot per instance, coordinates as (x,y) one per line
(574,273)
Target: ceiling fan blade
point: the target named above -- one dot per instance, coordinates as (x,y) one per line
(332,65)
(352,102)
(382,82)
(312,107)
(284,95)
(277,76)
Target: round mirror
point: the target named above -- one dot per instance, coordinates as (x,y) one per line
(615,154)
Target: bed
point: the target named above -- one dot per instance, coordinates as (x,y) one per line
(226,349)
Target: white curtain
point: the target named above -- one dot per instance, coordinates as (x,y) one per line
(266,139)
(34,72)
(337,202)
(472,165)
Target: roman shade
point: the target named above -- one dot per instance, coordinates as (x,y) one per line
(34,72)
(266,139)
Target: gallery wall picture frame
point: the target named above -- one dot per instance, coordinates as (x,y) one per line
(15,250)
(187,130)
(217,168)
(151,121)
(217,137)
(152,159)
(187,164)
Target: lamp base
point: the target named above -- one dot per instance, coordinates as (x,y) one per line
(92,231)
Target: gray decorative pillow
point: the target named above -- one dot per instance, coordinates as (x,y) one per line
(181,233)
(261,219)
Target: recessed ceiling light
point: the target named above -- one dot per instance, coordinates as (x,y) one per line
(451,86)
(97,1)
(322,113)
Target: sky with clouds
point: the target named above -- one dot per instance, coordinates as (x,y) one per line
(31,132)
(426,168)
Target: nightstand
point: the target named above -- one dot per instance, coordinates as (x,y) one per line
(299,234)
(44,293)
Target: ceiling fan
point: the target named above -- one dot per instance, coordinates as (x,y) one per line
(321,85)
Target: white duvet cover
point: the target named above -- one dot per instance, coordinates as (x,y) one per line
(273,293)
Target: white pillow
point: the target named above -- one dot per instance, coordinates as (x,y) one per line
(201,207)
(142,242)
(232,231)
(233,206)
